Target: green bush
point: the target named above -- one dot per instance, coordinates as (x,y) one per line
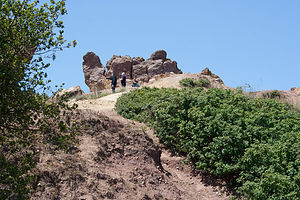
(203,82)
(187,82)
(276,164)
(275,94)
(191,83)
(227,134)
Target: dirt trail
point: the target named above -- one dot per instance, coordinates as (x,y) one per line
(106,103)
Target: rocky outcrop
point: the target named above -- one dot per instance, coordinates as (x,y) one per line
(140,69)
(94,71)
(118,64)
(207,72)
(296,90)
(135,68)
(137,60)
(171,66)
(155,65)
(71,92)
(159,55)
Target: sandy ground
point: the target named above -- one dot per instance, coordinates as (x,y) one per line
(106,103)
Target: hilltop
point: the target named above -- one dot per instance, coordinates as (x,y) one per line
(118,158)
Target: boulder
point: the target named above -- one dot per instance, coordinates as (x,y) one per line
(139,70)
(207,72)
(296,91)
(171,66)
(93,71)
(118,64)
(109,62)
(71,92)
(159,55)
(137,60)
(154,67)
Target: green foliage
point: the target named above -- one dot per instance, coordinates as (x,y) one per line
(202,82)
(187,82)
(29,33)
(226,133)
(191,83)
(276,163)
(275,94)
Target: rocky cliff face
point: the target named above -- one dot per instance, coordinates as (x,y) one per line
(135,68)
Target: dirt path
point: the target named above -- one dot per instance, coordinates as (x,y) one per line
(180,176)
(106,103)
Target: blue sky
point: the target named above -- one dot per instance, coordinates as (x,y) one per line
(255,42)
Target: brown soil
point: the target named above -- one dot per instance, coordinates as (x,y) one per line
(118,159)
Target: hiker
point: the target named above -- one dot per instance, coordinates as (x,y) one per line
(135,83)
(123,80)
(113,82)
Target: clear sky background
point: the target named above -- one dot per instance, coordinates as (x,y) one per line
(255,42)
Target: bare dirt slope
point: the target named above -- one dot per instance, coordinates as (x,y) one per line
(118,159)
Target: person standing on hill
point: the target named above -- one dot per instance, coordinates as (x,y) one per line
(113,82)
(123,80)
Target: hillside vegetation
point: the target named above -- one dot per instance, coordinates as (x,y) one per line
(30,33)
(252,143)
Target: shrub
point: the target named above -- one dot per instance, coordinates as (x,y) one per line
(275,94)
(202,82)
(190,83)
(187,82)
(227,134)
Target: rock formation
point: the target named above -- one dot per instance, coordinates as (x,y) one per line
(72,92)
(155,65)
(118,64)
(159,55)
(135,68)
(207,72)
(94,71)
(137,60)
(296,90)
